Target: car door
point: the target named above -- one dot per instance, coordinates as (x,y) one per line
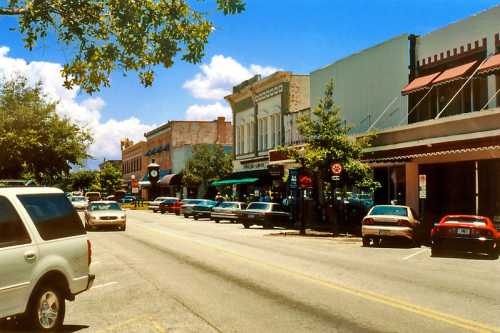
(18,256)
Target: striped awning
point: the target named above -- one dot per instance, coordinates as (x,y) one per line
(404,157)
(491,65)
(420,83)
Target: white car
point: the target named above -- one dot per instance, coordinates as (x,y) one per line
(155,204)
(45,256)
(105,214)
(390,221)
(79,202)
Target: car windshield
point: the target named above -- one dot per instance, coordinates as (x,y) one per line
(389,210)
(465,219)
(77,199)
(160,199)
(258,206)
(170,201)
(104,206)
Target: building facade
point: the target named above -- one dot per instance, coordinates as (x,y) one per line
(452,141)
(368,85)
(134,162)
(264,116)
(166,145)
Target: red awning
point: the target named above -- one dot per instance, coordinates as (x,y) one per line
(419,83)
(491,65)
(455,73)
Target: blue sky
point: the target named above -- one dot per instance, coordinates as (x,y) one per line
(294,35)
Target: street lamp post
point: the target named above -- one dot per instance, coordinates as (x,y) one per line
(154,176)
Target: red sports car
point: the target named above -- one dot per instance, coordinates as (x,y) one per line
(467,233)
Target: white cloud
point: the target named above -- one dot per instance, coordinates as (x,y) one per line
(215,81)
(208,112)
(87,113)
(220,75)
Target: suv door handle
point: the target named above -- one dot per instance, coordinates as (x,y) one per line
(30,256)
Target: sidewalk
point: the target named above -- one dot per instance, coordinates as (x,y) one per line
(310,233)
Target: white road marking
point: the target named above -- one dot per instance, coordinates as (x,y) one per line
(95,262)
(415,254)
(104,285)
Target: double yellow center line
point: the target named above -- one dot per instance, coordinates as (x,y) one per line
(452,320)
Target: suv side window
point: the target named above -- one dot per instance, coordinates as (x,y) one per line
(12,229)
(53,215)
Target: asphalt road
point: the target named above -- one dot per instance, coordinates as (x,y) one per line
(169,274)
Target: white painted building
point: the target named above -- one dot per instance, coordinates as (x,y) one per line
(264,117)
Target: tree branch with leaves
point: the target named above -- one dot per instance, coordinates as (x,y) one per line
(327,139)
(126,35)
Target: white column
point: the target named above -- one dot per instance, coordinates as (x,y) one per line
(411,174)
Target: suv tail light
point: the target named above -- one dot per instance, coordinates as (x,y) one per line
(368,221)
(89,252)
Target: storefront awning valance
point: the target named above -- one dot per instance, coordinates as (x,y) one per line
(455,73)
(420,83)
(234,181)
(171,179)
(491,65)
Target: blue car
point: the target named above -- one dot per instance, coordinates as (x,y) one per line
(127,199)
(203,209)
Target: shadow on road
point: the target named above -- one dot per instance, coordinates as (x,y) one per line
(13,326)
(464,255)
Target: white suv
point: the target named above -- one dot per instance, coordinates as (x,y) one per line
(44,256)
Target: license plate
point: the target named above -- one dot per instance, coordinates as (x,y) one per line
(463,231)
(251,216)
(384,232)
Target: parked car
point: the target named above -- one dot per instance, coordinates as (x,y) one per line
(465,233)
(128,199)
(171,205)
(390,221)
(93,196)
(265,214)
(229,211)
(105,214)
(187,206)
(203,209)
(45,256)
(79,202)
(155,204)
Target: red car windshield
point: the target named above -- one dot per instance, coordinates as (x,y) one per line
(465,219)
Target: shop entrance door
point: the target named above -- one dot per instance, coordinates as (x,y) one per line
(450,190)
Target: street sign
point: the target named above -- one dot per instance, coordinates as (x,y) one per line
(305,181)
(293,178)
(422,186)
(336,168)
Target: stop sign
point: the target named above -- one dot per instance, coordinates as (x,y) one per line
(336,168)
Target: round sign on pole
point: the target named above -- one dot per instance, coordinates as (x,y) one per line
(336,168)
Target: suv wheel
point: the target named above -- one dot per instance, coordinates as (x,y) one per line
(195,217)
(366,241)
(47,309)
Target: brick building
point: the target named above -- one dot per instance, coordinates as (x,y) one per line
(162,143)
(134,161)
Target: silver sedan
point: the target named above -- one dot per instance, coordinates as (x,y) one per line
(105,214)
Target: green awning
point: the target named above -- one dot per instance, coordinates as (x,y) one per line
(234,181)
